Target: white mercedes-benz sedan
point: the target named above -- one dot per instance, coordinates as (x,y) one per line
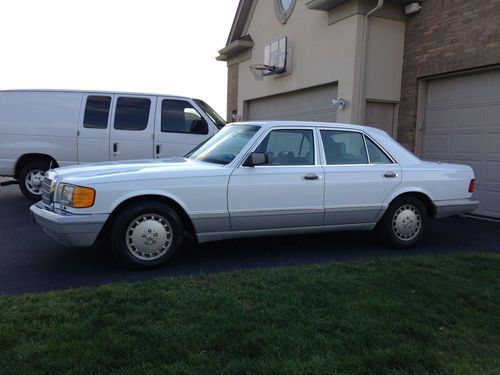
(254,179)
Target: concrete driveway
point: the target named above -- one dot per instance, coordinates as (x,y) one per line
(30,261)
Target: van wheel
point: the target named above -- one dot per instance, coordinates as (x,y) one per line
(31,179)
(146,235)
(404,223)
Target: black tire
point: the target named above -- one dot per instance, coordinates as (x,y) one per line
(152,214)
(404,223)
(26,182)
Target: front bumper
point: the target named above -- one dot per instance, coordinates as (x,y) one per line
(72,230)
(455,207)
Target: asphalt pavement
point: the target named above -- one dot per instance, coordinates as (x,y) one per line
(30,261)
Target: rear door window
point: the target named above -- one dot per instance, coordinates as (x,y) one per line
(132,113)
(97,112)
(343,147)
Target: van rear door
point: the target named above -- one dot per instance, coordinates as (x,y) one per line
(180,126)
(133,127)
(94,127)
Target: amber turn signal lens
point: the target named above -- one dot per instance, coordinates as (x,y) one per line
(83,197)
(472,185)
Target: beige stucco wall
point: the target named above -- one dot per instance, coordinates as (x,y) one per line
(320,53)
(385,59)
(324,53)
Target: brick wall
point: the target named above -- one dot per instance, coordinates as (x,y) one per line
(445,36)
(232,90)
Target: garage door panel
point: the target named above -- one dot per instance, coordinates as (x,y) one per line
(313,104)
(492,145)
(440,95)
(471,90)
(462,125)
(492,172)
(470,117)
(438,119)
(438,144)
(494,88)
(492,197)
(467,143)
(493,116)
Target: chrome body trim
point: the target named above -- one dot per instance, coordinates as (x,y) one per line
(351,215)
(216,236)
(455,207)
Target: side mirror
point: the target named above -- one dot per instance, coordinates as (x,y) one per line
(199,127)
(256,158)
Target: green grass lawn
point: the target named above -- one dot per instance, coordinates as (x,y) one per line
(438,314)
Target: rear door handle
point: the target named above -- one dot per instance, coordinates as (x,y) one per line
(158,150)
(311,177)
(115,147)
(390,174)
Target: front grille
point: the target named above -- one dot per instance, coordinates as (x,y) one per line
(47,196)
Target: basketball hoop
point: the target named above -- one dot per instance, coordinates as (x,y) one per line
(259,70)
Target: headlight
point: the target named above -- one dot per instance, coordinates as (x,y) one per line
(76,196)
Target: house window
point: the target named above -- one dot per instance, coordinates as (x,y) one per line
(284,9)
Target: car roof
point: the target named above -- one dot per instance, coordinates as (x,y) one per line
(333,125)
(96,92)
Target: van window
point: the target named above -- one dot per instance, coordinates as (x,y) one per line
(96,112)
(179,116)
(132,113)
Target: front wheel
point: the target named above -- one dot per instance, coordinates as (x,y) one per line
(146,235)
(404,223)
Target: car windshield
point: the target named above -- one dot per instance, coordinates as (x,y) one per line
(214,116)
(223,147)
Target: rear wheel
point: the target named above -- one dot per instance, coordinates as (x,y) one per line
(31,179)
(146,235)
(404,223)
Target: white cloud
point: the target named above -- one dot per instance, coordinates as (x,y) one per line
(147,46)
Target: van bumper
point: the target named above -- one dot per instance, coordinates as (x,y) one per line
(72,230)
(455,207)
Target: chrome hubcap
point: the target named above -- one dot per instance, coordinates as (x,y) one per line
(34,181)
(406,222)
(149,237)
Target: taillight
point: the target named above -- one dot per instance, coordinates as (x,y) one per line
(472,185)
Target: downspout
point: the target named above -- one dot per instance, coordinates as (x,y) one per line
(364,58)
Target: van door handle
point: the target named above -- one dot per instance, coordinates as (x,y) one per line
(390,174)
(311,177)
(115,147)
(158,150)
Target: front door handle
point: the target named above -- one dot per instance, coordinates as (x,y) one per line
(311,177)
(390,174)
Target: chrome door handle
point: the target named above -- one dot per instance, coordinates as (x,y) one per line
(390,174)
(311,177)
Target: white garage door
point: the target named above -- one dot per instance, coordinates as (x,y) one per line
(313,104)
(462,125)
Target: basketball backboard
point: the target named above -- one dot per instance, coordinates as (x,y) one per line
(275,55)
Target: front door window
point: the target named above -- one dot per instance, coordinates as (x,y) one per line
(288,147)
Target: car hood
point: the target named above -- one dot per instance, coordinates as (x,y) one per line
(94,173)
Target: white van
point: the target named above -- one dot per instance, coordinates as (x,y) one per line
(42,129)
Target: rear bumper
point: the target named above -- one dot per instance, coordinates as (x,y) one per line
(455,207)
(72,230)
